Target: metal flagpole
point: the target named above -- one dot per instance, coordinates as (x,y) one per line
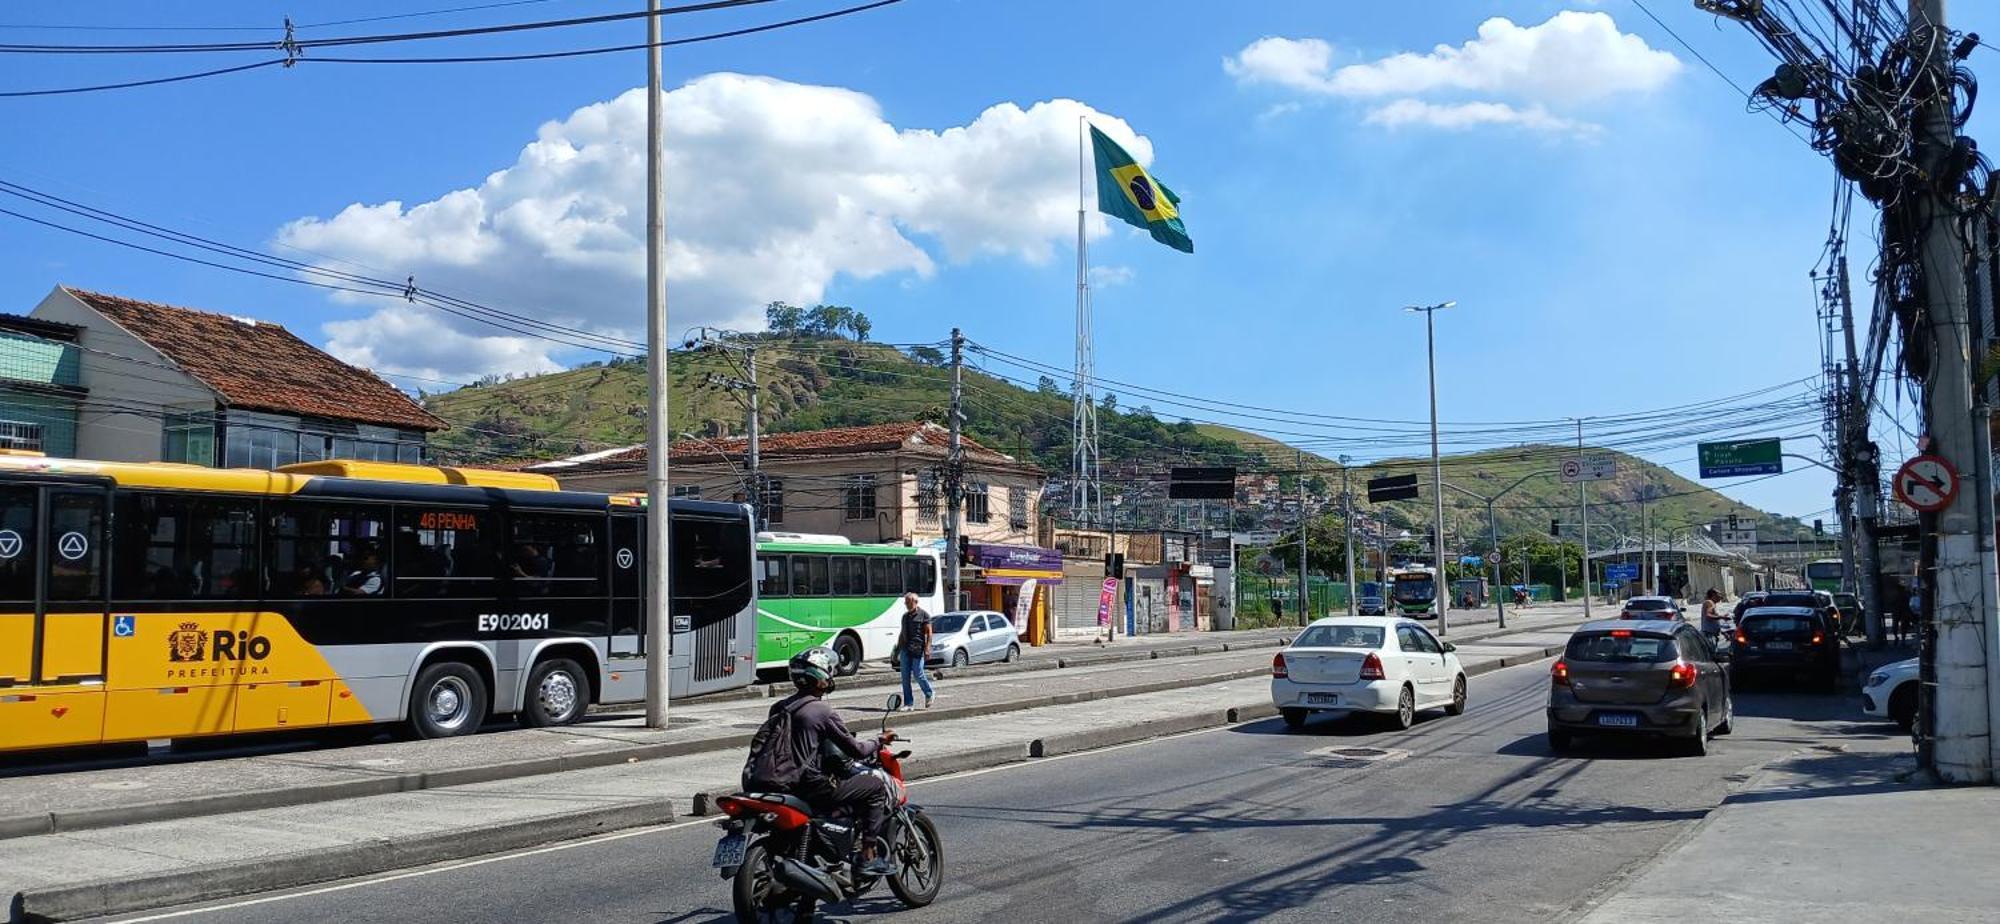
(1085,502)
(659,638)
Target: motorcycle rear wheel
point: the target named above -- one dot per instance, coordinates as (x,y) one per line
(919,859)
(758,897)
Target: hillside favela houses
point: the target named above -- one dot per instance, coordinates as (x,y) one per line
(876,484)
(99,376)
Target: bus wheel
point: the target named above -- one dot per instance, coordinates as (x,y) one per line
(848,650)
(558,694)
(448,699)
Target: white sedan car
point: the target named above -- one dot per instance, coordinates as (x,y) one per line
(1378,664)
(1891,693)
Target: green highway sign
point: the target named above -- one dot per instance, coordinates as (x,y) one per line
(1737,458)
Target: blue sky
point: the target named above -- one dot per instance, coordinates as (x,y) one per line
(1619,236)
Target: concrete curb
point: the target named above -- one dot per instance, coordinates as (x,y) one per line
(88,819)
(285,871)
(220,881)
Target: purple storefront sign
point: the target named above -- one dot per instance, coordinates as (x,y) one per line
(1017,564)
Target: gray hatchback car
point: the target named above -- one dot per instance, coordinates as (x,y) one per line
(1628,677)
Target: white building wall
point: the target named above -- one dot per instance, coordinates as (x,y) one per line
(120,422)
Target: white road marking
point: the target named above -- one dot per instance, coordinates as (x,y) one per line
(658,829)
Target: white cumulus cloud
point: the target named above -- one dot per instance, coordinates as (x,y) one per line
(1509,74)
(774,190)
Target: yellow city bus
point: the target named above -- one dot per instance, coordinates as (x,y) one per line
(141,602)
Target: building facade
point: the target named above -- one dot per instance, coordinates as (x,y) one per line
(41,385)
(163,383)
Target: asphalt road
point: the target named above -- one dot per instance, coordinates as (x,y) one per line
(1466,818)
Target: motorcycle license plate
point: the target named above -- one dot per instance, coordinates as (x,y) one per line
(1322,699)
(729,851)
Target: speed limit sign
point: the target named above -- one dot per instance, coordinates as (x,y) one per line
(1927,483)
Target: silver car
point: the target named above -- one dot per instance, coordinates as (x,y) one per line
(972,637)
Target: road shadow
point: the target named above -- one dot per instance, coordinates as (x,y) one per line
(1826,773)
(1585,747)
(1351,725)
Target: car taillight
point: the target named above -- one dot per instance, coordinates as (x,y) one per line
(1560,673)
(1681,675)
(1371,669)
(1742,639)
(1818,638)
(1278,666)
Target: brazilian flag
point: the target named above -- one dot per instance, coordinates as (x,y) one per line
(1125,190)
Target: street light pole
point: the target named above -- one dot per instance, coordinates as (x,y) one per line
(1347,524)
(659,530)
(1583,512)
(1442,596)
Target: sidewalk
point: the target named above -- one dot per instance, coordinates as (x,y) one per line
(1828,835)
(151,864)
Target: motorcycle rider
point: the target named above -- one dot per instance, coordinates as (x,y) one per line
(830,781)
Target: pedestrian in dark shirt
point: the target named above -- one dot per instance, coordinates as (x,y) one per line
(913,647)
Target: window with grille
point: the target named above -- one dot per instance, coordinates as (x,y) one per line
(861,497)
(1017,508)
(17,435)
(927,497)
(976,509)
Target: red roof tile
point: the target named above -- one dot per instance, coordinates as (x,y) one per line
(261,366)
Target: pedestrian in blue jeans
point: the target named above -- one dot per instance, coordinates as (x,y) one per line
(913,646)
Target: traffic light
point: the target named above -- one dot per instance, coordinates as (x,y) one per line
(1732,521)
(1114,564)
(1819,527)
(1555,527)
(964,551)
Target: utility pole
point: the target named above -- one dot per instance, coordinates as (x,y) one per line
(1304,589)
(659,518)
(1442,594)
(1583,513)
(750,453)
(954,471)
(1347,524)
(1962,598)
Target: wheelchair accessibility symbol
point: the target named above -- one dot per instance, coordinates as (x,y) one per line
(124,627)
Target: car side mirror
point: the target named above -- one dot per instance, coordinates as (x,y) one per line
(1450,647)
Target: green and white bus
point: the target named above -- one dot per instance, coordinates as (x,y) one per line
(823,590)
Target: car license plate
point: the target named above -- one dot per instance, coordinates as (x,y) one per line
(1623,721)
(1778,646)
(1322,699)
(728,851)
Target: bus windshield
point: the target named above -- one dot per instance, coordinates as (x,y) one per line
(1415,587)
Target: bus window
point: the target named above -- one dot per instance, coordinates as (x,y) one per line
(809,577)
(316,550)
(710,568)
(180,547)
(558,555)
(17,546)
(772,582)
(848,575)
(885,576)
(444,552)
(76,556)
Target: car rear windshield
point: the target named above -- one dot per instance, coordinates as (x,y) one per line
(1806,600)
(1777,624)
(949,622)
(1648,605)
(1622,647)
(1340,637)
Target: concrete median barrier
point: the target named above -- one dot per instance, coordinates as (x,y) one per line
(286,871)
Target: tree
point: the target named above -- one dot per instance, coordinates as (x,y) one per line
(826,320)
(1109,404)
(783,318)
(860,325)
(1047,385)
(927,355)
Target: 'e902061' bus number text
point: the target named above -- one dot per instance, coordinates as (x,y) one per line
(513,622)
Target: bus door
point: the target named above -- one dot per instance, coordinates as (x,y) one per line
(714,610)
(624,672)
(52,615)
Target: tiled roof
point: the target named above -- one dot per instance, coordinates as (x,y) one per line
(260,366)
(908,436)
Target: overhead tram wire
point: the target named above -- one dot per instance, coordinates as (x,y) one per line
(1748,97)
(303,45)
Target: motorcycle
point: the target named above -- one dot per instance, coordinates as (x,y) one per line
(783,860)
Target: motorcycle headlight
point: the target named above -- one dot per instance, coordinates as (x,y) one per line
(1877,679)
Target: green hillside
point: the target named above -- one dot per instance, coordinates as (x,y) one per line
(809,382)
